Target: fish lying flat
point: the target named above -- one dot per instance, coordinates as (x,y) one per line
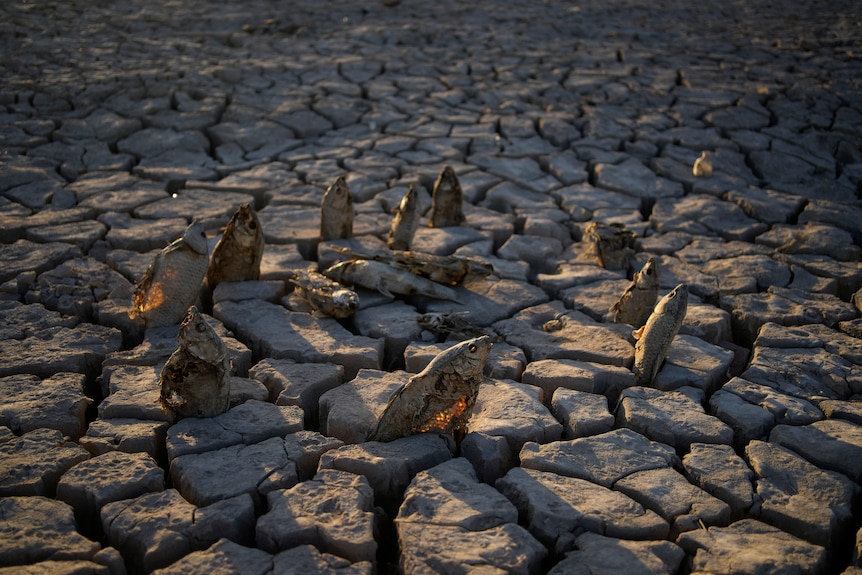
(655,337)
(450,270)
(638,300)
(447,200)
(611,243)
(450,324)
(173,280)
(405,222)
(238,253)
(326,296)
(336,212)
(440,398)
(387,279)
(195,381)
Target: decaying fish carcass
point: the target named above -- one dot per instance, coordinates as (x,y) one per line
(387,279)
(405,222)
(451,323)
(611,244)
(450,270)
(447,200)
(238,253)
(173,280)
(325,295)
(638,300)
(440,398)
(655,337)
(336,212)
(195,381)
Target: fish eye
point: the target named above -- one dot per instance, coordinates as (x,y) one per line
(472,347)
(201,327)
(252,225)
(649,271)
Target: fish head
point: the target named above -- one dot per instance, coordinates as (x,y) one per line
(196,238)
(649,275)
(199,338)
(338,194)
(479,269)
(468,357)
(673,303)
(431,320)
(244,225)
(345,299)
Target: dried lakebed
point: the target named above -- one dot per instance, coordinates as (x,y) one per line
(726,143)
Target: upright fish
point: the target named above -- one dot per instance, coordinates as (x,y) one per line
(173,280)
(336,212)
(387,279)
(654,338)
(440,398)
(195,381)
(611,243)
(405,222)
(447,200)
(324,295)
(638,300)
(238,253)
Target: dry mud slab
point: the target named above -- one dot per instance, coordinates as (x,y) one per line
(120,122)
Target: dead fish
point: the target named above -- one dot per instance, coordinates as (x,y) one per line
(636,304)
(195,381)
(326,296)
(336,212)
(440,398)
(405,222)
(238,253)
(447,200)
(655,337)
(450,323)
(702,167)
(173,279)
(450,270)
(612,244)
(558,322)
(387,279)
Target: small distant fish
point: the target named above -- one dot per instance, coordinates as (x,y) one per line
(387,279)
(702,167)
(447,200)
(450,324)
(195,381)
(655,337)
(636,304)
(326,296)
(558,322)
(238,253)
(450,270)
(336,212)
(405,222)
(612,244)
(440,398)
(173,279)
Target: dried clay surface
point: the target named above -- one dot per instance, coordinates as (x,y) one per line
(346,190)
